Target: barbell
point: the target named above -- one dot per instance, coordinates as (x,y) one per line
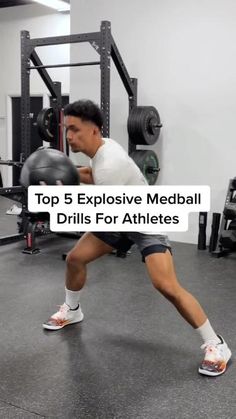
(11,163)
(143,125)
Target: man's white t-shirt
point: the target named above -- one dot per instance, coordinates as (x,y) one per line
(111,165)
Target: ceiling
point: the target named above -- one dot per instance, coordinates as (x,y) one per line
(11,3)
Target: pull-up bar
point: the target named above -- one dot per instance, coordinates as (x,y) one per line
(37,67)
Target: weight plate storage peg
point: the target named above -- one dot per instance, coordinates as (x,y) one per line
(148,163)
(47,124)
(144,125)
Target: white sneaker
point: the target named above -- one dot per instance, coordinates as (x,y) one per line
(63,317)
(14,210)
(217,355)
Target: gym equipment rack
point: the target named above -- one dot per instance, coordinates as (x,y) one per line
(105,46)
(219,247)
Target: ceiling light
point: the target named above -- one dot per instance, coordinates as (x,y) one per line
(59,5)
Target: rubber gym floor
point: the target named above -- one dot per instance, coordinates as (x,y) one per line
(132,357)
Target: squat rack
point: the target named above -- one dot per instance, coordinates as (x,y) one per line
(104,45)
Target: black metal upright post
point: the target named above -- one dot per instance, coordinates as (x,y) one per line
(130,84)
(57,106)
(105,54)
(25,94)
(133,99)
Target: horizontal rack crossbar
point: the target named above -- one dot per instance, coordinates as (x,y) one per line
(37,67)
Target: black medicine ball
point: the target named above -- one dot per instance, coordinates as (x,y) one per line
(48,165)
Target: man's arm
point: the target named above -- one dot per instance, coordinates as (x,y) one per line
(86,176)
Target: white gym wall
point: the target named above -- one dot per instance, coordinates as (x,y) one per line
(40,21)
(184,56)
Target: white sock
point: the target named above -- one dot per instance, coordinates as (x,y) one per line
(207,332)
(72,298)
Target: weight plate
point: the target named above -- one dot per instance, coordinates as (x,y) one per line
(148,163)
(230,211)
(144,125)
(232,225)
(47,124)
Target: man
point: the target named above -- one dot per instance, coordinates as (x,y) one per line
(111,165)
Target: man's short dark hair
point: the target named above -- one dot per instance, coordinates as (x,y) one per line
(86,110)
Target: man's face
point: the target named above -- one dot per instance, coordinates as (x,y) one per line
(79,133)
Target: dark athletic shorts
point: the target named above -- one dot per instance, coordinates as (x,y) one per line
(146,243)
